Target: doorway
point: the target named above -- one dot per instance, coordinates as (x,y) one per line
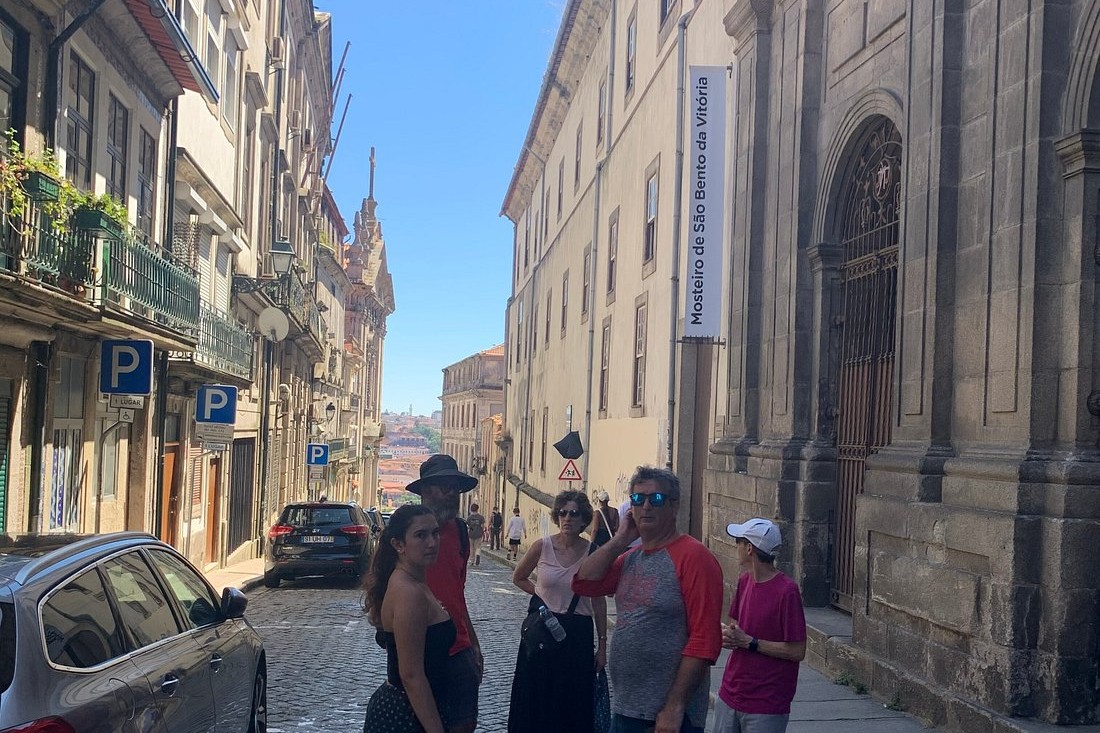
(869,239)
(213,500)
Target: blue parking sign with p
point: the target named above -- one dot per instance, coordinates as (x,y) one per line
(317,454)
(216,403)
(126,367)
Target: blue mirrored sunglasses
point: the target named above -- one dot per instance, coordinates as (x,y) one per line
(655,500)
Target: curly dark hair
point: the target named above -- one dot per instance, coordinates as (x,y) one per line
(667,480)
(580,499)
(384,561)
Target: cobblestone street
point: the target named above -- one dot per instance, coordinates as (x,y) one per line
(323,663)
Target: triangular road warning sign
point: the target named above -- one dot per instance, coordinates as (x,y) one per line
(570,472)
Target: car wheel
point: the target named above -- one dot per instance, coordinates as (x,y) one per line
(271,580)
(257,722)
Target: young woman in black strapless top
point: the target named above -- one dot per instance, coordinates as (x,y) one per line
(415,629)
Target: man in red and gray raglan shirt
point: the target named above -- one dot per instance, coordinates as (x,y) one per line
(767,634)
(668,600)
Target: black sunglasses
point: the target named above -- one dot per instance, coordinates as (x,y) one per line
(569,513)
(655,500)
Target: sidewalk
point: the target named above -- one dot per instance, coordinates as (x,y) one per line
(820,705)
(244,575)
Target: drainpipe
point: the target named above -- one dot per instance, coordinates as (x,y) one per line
(596,239)
(53,72)
(677,205)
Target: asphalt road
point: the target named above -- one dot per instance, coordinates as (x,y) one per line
(323,663)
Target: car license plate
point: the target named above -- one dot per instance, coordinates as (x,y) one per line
(316,539)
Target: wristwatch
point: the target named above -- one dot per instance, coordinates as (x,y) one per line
(754,644)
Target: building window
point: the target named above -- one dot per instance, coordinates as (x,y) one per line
(81,113)
(147,179)
(601,111)
(577,158)
(118,142)
(549,310)
(666,7)
(612,250)
(213,33)
(538,233)
(527,238)
(247,157)
(13,71)
(535,328)
(519,330)
(561,186)
(638,380)
(631,53)
(564,300)
(531,441)
(546,210)
(586,280)
(605,363)
(649,243)
(230,96)
(545,430)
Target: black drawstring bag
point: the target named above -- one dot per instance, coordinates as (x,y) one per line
(534,637)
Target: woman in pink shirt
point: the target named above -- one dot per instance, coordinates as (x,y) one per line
(552,691)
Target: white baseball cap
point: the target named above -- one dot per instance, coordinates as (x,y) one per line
(761,533)
(601,495)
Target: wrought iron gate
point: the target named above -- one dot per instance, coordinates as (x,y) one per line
(870,212)
(241,493)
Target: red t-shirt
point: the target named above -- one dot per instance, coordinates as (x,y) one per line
(447,580)
(755,683)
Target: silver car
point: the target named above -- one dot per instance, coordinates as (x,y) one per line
(119,632)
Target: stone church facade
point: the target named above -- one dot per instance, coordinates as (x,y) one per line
(912,382)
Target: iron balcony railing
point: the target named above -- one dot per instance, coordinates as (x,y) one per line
(32,248)
(301,306)
(224,343)
(145,280)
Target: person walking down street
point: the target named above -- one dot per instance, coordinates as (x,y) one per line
(552,689)
(605,520)
(414,627)
(439,485)
(476,523)
(767,634)
(517,532)
(496,528)
(668,596)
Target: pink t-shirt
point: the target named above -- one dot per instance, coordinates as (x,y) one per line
(755,683)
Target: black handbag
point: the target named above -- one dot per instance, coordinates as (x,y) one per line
(534,637)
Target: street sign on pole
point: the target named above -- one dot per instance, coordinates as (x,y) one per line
(126,367)
(317,454)
(216,403)
(570,472)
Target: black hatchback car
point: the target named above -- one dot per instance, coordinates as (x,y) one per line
(118,632)
(318,538)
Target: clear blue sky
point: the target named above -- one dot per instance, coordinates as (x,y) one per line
(444,90)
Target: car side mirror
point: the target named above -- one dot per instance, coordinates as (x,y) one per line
(233,603)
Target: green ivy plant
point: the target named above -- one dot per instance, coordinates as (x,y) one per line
(105,202)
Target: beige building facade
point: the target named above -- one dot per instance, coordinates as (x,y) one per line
(473,390)
(905,379)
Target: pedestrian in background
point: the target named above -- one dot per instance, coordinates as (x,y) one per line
(668,599)
(439,485)
(476,523)
(605,521)
(496,528)
(517,531)
(767,635)
(552,691)
(415,628)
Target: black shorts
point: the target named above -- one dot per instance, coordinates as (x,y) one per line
(513,543)
(458,704)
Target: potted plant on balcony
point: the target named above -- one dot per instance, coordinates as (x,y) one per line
(27,177)
(102,214)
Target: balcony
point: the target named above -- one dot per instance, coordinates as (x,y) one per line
(225,346)
(32,249)
(289,293)
(140,278)
(107,271)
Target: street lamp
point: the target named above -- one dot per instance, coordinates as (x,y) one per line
(282,257)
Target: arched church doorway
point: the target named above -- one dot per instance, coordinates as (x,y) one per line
(869,212)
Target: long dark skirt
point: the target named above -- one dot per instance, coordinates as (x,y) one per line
(552,691)
(389,711)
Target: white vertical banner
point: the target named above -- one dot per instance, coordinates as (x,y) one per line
(706,161)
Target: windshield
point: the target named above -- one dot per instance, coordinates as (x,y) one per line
(317,516)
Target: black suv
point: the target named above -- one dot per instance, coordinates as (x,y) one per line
(118,632)
(317,538)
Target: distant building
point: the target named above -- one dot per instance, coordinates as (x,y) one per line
(473,389)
